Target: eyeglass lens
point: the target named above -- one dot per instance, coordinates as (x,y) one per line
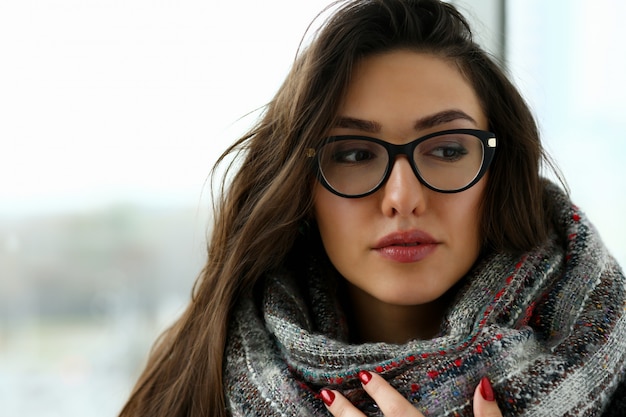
(357,166)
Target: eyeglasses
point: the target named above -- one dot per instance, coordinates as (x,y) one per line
(449,161)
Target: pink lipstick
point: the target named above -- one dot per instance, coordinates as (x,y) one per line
(406,246)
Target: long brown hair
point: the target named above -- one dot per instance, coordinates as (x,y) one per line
(270,195)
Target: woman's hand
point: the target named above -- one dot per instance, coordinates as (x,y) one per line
(393,404)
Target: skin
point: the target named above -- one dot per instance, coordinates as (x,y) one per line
(393,404)
(400,96)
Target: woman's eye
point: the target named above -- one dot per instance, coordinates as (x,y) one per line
(449,153)
(353,156)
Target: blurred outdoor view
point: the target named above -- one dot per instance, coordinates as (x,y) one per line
(111,116)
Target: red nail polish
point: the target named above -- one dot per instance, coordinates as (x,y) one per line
(486,390)
(365,377)
(327,396)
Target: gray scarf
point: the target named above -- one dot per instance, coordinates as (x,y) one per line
(548,328)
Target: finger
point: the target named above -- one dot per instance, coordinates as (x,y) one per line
(338,405)
(389,400)
(485,404)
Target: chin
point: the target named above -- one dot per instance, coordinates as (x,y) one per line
(407,299)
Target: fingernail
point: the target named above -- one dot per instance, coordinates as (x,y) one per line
(327,396)
(486,390)
(365,377)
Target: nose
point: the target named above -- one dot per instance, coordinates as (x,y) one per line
(403,193)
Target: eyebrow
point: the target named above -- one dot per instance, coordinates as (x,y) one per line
(358,124)
(441,118)
(426,122)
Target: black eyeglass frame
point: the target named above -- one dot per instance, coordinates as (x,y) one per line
(488,140)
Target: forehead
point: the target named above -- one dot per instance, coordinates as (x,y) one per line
(405,85)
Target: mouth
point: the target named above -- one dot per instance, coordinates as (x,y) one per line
(406,246)
(406,239)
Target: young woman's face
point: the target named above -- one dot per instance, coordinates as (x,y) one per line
(404,244)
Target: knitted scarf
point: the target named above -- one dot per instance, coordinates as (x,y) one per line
(547,328)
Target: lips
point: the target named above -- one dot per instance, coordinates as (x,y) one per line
(406,246)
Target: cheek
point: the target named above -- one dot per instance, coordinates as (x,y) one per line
(328,214)
(337,219)
(465,216)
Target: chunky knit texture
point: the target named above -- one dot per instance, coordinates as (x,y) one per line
(548,328)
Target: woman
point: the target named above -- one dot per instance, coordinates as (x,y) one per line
(388,247)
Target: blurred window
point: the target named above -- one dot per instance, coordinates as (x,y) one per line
(568,58)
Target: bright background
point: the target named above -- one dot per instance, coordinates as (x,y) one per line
(111,115)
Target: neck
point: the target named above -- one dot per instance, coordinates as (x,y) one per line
(376,321)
